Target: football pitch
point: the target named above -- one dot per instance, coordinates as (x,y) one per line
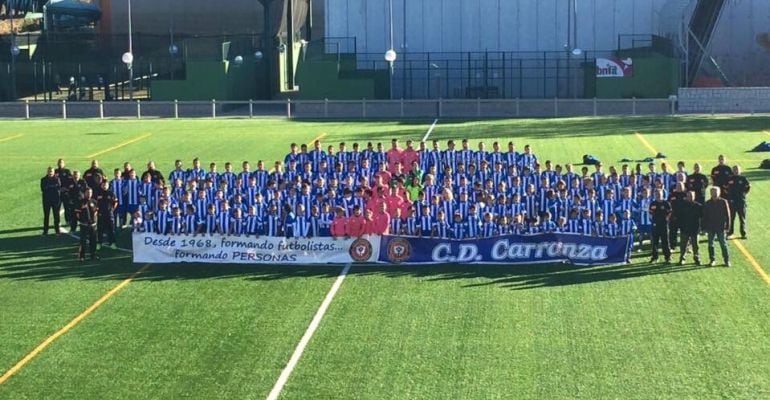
(100,330)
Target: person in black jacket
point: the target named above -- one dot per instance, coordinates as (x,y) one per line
(155,175)
(697,182)
(737,189)
(87,214)
(106,202)
(75,189)
(67,181)
(50,186)
(94,176)
(721,174)
(675,198)
(689,223)
(660,211)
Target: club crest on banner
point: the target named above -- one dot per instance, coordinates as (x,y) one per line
(360,250)
(399,250)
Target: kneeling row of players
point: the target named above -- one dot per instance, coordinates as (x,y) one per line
(291,225)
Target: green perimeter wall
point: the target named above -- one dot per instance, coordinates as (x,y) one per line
(655,76)
(328,77)
(219,80)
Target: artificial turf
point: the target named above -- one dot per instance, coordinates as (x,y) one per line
(221,331)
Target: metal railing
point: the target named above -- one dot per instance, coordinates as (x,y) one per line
(341,109)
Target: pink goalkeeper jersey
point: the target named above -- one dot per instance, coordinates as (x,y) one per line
(393,156)
(380,224)
(356,226)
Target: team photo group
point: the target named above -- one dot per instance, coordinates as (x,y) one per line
(451,193)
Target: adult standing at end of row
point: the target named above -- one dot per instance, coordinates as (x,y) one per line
(734,188)
(50,186)
(737,189)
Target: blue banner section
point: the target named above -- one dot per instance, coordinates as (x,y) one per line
(509,249)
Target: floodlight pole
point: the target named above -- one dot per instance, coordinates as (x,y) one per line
(172,45)
(13,60)
(290,44)
(130,50)
(574,41)
(390,63)
(572,32)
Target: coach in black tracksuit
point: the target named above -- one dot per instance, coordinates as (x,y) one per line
(75,189)
(721,174)
(106,202)
(676,198)
(660,211)
(87,214)
(737,189)
(50,186)
(689,223)
(697,182)
(65,177)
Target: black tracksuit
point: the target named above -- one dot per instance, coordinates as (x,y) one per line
(51,188)
(689,223)
(737,189)
(660,211)
(87,214)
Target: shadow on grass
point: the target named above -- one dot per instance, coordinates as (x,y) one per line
(54,258)
(22,230)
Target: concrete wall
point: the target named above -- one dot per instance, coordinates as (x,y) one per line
(528,25)
(724,100)
(494,25)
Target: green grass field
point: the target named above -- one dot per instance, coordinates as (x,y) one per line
(636,331)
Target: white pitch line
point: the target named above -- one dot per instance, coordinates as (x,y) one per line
(433,125)
(76,237)
(286,373)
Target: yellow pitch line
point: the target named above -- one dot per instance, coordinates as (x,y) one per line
(645,143)
(321,136)
(11,138)
(126,143)
(752,261)
(19,365)
(767,133)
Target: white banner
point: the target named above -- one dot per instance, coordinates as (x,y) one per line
(220,249)
(614,67)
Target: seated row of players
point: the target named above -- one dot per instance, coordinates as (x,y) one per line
(291,222)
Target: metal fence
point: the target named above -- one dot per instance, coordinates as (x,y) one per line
(340,109)
(87,66)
